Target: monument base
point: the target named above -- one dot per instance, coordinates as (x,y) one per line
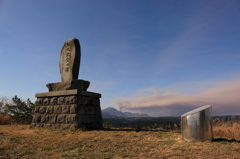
(68,109)
(81,85)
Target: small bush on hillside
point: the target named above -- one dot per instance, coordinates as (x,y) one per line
(21,111)
(5,118)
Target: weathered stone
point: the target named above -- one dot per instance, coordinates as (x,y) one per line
(42,109)
(44,118)
(61,100)
(56,126)
(73,108)
(71,118)
(81,110)
(93,118)
(86,119)
(57,109)
(81,85)
(68,92)
(53,101)
(79,120)
(47,125)
(52,119)
(65,109)
(39,101)
(36,110)
(36,118)
(70,60)
(61,119)
(45,101)
(65,126)
(49,110)
(39,125)
(72,99)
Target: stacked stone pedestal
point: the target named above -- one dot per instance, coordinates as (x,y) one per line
(68,109)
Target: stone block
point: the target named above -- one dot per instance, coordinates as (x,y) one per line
(53,100)
(44,118)
(93,110)
(56,126)
(52,119)
(98,110)
(79,119)
(42,109)
(73,126)
(49,109)
(93,118)
(73,109)
(61,119)
(47,125)
(99,118)
(39,125)
(81,110)
(71,118)
(65,109)
(61,100)
(57,109)
(39,101)
(65,126)
(36,110)
(80,85)
(46,101)
(90,110)
(36,118)
(86,119)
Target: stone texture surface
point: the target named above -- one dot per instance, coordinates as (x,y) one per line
(68,111)
(70,60)
(81,85)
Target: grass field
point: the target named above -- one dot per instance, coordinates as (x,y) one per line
(19,141)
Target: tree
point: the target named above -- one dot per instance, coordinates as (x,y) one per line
(3,108)
(21,111)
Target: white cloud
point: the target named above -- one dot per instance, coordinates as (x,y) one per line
(223,96)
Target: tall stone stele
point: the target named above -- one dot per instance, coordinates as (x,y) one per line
(68,104)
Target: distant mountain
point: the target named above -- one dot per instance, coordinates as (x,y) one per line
(111,112)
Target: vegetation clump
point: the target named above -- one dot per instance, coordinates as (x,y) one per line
(16,111)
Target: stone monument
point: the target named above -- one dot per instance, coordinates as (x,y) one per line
(68,104)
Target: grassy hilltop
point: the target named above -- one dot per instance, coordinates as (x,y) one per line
(19,141)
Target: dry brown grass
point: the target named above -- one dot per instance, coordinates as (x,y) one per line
(5,119)
(19,141)
(227,129)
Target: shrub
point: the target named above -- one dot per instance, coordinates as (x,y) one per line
(5,119)
(227,128)
(21,111)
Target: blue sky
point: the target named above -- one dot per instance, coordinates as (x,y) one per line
(156,57)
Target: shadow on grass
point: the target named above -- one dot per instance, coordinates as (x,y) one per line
(225,140)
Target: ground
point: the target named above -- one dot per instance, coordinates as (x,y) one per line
(20,141)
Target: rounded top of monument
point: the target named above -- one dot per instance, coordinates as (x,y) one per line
(72,39)
(197,110)
(70,60)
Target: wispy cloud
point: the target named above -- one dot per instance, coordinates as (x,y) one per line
(199,29)
(224,96)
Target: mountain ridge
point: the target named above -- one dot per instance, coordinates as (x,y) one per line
(111,112)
